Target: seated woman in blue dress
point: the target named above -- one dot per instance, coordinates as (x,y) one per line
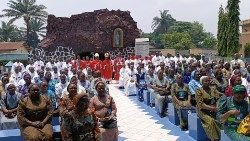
(231,111)
(9,101)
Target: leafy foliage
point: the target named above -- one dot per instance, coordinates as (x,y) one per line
(221,33)
(10,33)
(233,27)
(162,24)
(37,26)
(228,29)
(37,30)
(196,31)
(26,9)
(167,31)
(247,50)
(178,41)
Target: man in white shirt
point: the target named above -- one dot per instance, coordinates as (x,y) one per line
(128,61)
(191,59)
(38,64)
(50,64)
(156,59)
(137,61)
(59,64)
(30,63)
(15,77)
(237,60)
(59,87)
(55,73)
(32,72)
(162,58)
(177,58)
(145,61)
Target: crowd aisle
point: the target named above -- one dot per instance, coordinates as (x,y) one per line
(138,122)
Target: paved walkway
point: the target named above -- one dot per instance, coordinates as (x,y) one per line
(138,122)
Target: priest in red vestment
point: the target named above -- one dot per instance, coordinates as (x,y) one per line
(107,68)
(96,64)
(83,63)
(118,63)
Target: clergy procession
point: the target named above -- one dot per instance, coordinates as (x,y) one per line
(77,91)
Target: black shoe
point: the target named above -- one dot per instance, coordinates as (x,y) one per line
(183,128)
(152,105)
(141,99)
(162,115)
(121,87)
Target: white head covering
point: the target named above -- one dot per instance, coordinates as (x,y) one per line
(96,55)
(7,85)
(202,78)
(106,54)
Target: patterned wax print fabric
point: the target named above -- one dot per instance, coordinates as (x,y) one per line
(208,118)
(230,126)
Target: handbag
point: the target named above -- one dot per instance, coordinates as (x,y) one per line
(244,127)
(112,123)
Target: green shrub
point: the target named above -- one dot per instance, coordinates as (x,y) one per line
(247,50)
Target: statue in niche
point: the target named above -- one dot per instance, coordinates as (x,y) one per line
(118,38)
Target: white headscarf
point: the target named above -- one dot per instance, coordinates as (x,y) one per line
(7,86)
(202,78)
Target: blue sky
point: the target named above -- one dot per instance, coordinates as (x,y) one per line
(143,11)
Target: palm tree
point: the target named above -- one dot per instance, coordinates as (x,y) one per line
(161,24)
(25,9)
(37,29)
(10,33)
(36,26)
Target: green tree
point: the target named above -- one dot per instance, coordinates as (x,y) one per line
(233,27)
(181,26)
(25,9)
(178,41)
(222,33)
(37,30)
(196,31)
(38,26)
(161,24)
(10,33)
(209,42)
(247,50)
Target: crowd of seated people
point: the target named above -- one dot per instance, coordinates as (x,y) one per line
(217,90)
(32,99)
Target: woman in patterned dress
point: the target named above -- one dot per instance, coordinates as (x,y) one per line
(206,98)
(181,97)
(82,124)
(66,106)
(105,109)
(219,82)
